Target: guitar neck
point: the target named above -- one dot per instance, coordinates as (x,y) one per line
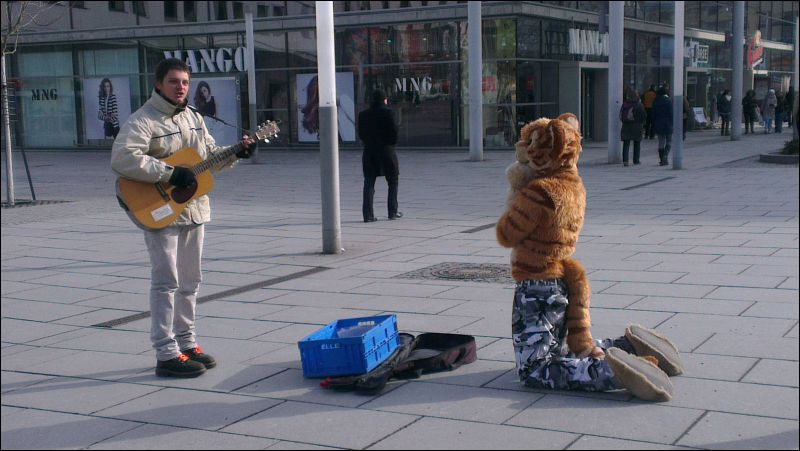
(217,158)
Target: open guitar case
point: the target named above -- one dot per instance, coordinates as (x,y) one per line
(425,353)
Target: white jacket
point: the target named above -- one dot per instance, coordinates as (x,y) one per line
(155,131)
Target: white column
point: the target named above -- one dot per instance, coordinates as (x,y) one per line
(677,89)
(475,81)
(251,78)
(796,84)
(7,133)
(328,130)
(738,70)
(616,30)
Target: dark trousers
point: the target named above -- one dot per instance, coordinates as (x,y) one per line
(778,122)
(637,149)
(648,124)
(748,122)
(369,194)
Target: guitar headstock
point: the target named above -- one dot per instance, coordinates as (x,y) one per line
(267,130)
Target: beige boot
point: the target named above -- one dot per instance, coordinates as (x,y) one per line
(645,380)
(649,342)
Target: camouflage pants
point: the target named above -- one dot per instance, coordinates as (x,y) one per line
(539,334)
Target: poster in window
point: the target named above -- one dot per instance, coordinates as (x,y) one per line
(308,106)
(217,99)
(107,105)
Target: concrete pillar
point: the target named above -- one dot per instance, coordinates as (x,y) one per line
(475,81)
(677,89)
(328,130)
(251,78)
(738,70)
(616,30)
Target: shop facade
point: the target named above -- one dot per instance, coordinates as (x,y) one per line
(540,59)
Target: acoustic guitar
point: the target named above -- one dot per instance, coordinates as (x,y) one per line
(153,206)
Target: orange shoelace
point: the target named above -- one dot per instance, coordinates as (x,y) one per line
(183,358)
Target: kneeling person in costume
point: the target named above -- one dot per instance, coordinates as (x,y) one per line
(551,326)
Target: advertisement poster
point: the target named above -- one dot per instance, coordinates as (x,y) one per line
(217,99)
(107,105)
(308,106)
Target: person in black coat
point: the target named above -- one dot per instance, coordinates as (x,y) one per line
(662,124)
(378,131)
(633,116)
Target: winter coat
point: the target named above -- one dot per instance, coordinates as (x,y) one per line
(155,131)
(632,129)
(378,131)
(662,115)
(724,106)
(749,105)
(769,106)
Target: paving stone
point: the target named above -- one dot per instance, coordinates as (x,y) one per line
(719,430)
(292,420)
(592,442)
(454,402)
(774,372)
(169,407)
(41,311)
(316,315)
(717,367)
(729,324)
(291,385)
(14,381)
(754,346)
(69,395)
(151,436)
(689,305)
(773,310)
(437,433)
(623,420)
(20,331)
(735,397)
(37,429)
(660,289)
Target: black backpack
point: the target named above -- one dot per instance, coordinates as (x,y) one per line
(426,353)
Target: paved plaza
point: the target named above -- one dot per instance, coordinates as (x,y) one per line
(707,255)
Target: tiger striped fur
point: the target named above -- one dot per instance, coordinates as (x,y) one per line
(543,219)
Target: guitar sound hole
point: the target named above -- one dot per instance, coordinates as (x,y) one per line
(183,195)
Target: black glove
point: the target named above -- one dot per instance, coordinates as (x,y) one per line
(246,151)
(181,177)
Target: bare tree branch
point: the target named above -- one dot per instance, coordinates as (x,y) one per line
(28,13)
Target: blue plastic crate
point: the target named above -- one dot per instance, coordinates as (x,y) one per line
(349,346)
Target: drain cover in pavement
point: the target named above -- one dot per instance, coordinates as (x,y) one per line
(471,272)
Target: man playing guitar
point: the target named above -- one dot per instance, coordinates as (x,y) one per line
(161,127)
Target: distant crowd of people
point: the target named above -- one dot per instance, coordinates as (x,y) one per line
(650,116)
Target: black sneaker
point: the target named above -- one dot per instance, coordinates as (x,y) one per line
(197,355)
(397,215)
(180,366)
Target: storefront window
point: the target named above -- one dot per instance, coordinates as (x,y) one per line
(48,99)
(422,100)
(109,91)
(529,37)
(270,50)
(302,48)
(499,39)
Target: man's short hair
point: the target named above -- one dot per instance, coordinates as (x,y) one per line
(169,64)
(378,96)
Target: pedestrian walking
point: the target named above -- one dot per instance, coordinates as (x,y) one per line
(779,112)
(687,116)
(724,109)
(715,108)
(749,110)
(663,124)
(647,100)
(162,126)
(788,105)
(378,131)
(633,116)
(768,112)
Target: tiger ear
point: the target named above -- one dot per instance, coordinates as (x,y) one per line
(571,119)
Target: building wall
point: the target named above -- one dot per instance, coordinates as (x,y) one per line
(416,52)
